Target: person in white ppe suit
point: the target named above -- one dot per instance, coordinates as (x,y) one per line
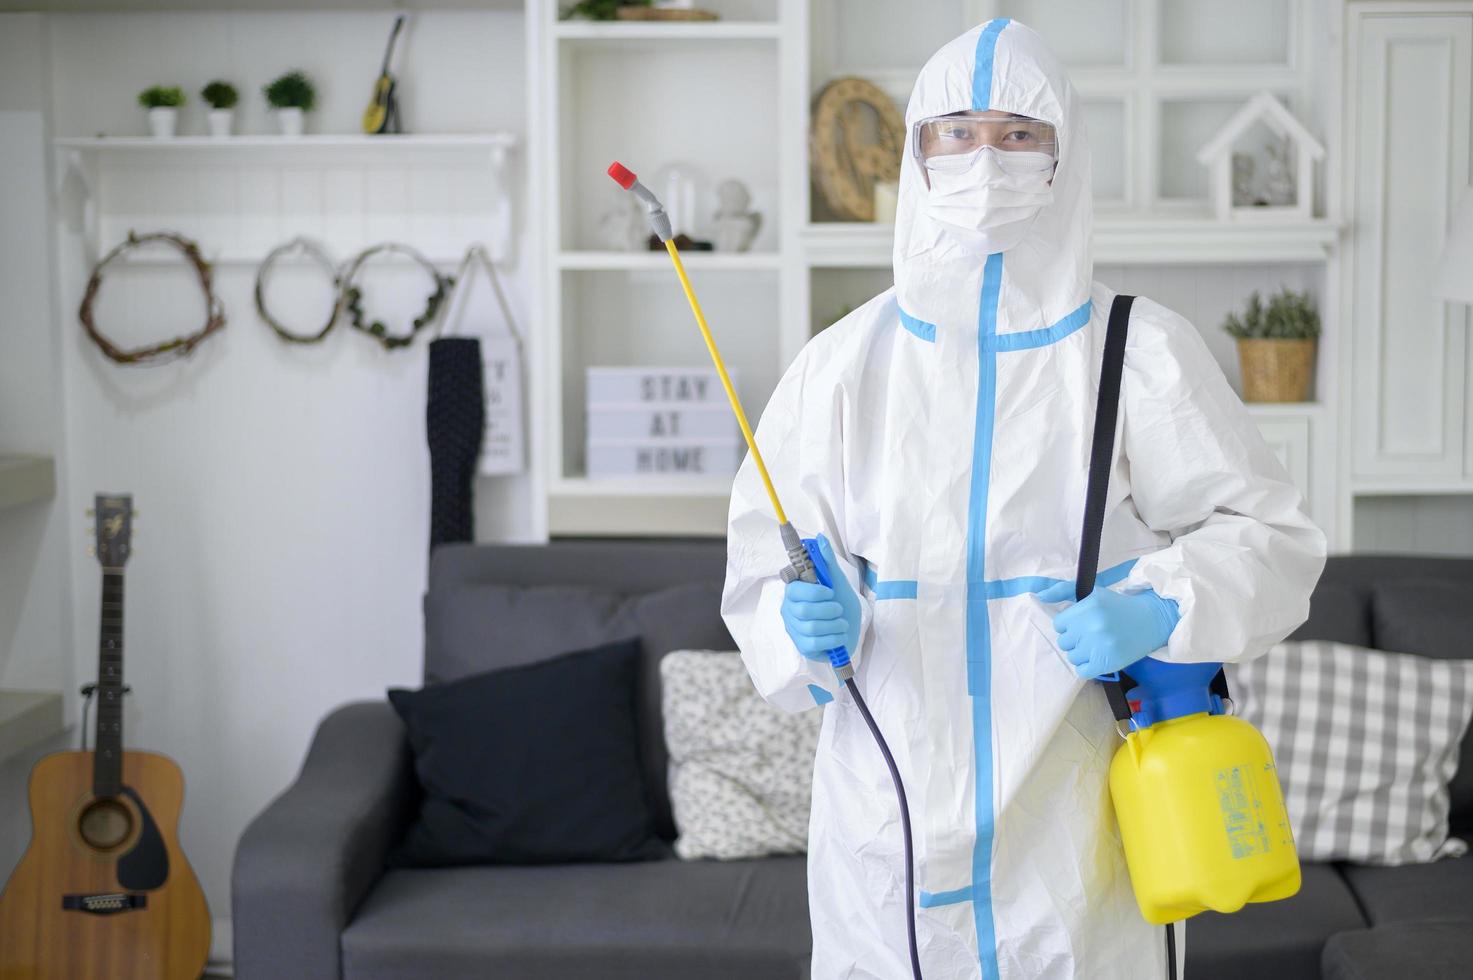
(939,439)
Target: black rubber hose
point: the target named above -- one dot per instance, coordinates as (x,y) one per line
(1171,950)
(910,882)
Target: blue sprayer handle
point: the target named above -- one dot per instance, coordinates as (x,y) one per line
(838,656)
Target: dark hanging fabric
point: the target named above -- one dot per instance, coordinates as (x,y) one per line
(455,417)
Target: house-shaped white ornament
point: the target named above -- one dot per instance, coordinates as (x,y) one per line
(1217,155)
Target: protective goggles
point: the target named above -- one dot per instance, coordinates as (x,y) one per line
(951,144)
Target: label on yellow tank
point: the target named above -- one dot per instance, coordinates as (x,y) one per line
(1242,808)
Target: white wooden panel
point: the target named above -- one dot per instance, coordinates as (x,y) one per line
(1198,32)
(1289,438)
(1409,153)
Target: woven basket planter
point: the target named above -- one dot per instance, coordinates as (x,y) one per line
(1276,370)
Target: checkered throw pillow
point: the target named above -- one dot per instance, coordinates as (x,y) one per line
(741,771)
(1366,743)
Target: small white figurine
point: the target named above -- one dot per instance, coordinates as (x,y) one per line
(736,224)
(1278,185)
(622,228)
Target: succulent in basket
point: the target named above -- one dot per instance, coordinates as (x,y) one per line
(222,98)
(1276,344)
(162,103)
(290,96)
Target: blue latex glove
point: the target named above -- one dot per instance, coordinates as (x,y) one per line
(1108,630)
(819,618)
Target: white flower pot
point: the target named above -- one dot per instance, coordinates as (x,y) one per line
(161,121)
(220,120)
(290,121)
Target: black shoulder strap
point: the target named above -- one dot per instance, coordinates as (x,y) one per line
(1102,452)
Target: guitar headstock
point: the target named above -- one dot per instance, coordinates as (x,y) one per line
(114,513)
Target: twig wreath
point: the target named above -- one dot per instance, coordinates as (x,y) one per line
(353,296)
(314,252)
(179,346)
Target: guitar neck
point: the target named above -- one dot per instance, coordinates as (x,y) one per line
(107,766)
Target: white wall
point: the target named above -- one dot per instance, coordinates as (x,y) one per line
(283,492)
(36,641)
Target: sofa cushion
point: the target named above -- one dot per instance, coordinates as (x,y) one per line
(1274,940)
(1424,950)
(1440,890)
(476,627)
(1432,618)
(1366,744)
(530,765)
(741,770)
(1337,612)
(664,919)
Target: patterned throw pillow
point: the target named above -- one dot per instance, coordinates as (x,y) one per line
(741,771)
(1366,743)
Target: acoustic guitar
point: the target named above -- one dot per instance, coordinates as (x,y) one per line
(104,890)
(382,114)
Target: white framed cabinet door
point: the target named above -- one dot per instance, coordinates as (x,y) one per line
(1289,437)
(1409,101)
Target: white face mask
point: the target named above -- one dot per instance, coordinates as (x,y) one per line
(989,208)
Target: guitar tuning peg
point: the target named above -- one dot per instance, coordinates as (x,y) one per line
(90,512)
(91,551)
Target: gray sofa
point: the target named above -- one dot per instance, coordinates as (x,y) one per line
(312,898)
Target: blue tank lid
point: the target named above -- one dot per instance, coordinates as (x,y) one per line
(1170,690)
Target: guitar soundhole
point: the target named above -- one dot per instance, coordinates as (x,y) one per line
(105,824)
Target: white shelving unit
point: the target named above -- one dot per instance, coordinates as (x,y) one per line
(1119,240)
(650,94)
(28,718)
(26,479)
(243,195)
(732,97)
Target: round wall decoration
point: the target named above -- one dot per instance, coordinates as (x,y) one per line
(857,137)
(353,296)
(317,255)
(168,349)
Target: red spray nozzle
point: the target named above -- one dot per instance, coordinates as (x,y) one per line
(622,175)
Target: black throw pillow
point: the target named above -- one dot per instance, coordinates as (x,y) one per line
(530,765)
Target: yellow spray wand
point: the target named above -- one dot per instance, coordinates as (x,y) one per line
(660,222)
(805,560)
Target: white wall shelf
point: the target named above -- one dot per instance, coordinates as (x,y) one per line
(660,261)
(650,512)
(26,479)
(404,141)
(28,718)
(665,486)
(240,196)
(583,31)
(1119,240)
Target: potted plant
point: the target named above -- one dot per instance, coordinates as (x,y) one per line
(289,96)
(1276,346)
(162,103)
(222,98)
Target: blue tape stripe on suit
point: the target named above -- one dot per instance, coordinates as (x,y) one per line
(931,900)
(979,630)
(820,696)
(1025,339)
(982,71)
(922,329)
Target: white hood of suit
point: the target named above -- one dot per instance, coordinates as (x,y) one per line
(1006,66)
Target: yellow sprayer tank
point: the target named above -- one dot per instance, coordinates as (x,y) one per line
(1200,811)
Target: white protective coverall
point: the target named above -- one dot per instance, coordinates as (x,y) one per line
(940,437)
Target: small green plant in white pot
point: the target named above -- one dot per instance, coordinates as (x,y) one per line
(222,98)
(290,96)
(162,103)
